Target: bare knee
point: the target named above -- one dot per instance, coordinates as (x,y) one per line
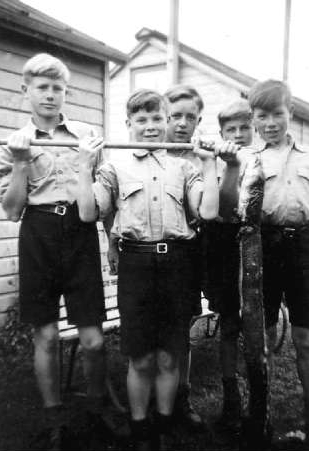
(166,362)
(144,364)
(91,339)
(46,338)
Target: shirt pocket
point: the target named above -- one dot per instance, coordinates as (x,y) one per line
(40,166)
(174,213)
(132,208)
(303,172)
(270,172)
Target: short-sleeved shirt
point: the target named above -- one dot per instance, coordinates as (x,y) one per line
(286,191)
(53,171)
(148,191)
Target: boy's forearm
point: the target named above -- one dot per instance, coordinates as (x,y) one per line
(229,192)
(209,206)
(15,198)
(86,200)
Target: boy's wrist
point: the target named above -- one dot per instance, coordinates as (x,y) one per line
(233,164)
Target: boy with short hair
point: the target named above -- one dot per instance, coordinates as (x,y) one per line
(184,114)
(222,253)
(58,253)
(285,220)
(152,195)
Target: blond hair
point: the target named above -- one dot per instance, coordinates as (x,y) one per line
(45,65)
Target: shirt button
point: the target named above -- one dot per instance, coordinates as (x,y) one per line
(154,178)
(60,171)
(289,182)
(155,198)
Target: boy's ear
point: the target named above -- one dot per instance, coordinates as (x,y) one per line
(220,133)
(199,120)
(128,123)
(24,88)
(292,109)
(168,118)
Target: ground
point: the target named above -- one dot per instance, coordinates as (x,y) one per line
(21,419)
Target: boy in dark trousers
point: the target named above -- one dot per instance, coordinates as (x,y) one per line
(152,195)
(285,220)
(185,106)
(222,261)
(58,253)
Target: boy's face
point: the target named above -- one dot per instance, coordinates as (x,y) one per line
(240,131)
(183,117)
(148,126)
(272,125)
(46,96)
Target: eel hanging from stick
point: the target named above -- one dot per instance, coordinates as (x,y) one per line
(256,432)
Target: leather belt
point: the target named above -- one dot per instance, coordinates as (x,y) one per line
(57,209)
(156,248)
(286,231)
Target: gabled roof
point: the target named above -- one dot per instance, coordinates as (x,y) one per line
(145,36)
(24,20)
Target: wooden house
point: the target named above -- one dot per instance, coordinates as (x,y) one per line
(24,31)
(217,83)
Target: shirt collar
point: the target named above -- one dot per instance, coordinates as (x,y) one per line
(158,154)
(291,144)
(35,132)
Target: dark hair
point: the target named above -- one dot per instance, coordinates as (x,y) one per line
(179,92)
(145,99)
(269,94)
(239,109)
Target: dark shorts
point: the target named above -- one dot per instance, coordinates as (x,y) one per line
(220,267)
(156,293)
(60,255)
(286,270)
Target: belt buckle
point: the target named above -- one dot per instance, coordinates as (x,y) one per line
(161,248)
(289,232)
(60,210)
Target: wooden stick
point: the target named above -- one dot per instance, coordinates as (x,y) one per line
(109,145)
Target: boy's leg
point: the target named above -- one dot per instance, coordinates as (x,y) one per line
(300,336)
(166,384)
(91,339)
(231,411)
(139,382)
(183,404)
(46,363)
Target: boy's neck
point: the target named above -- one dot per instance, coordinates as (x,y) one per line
(46,124)
(279,145)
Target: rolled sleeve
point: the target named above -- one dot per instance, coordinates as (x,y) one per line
(192,177)
(105,190)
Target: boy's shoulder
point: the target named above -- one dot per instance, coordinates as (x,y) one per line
(80,129)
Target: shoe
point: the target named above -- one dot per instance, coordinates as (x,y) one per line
(114,425)
(184,410)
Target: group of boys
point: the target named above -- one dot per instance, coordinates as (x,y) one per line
(171,215)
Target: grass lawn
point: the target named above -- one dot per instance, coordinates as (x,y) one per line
(20,411)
